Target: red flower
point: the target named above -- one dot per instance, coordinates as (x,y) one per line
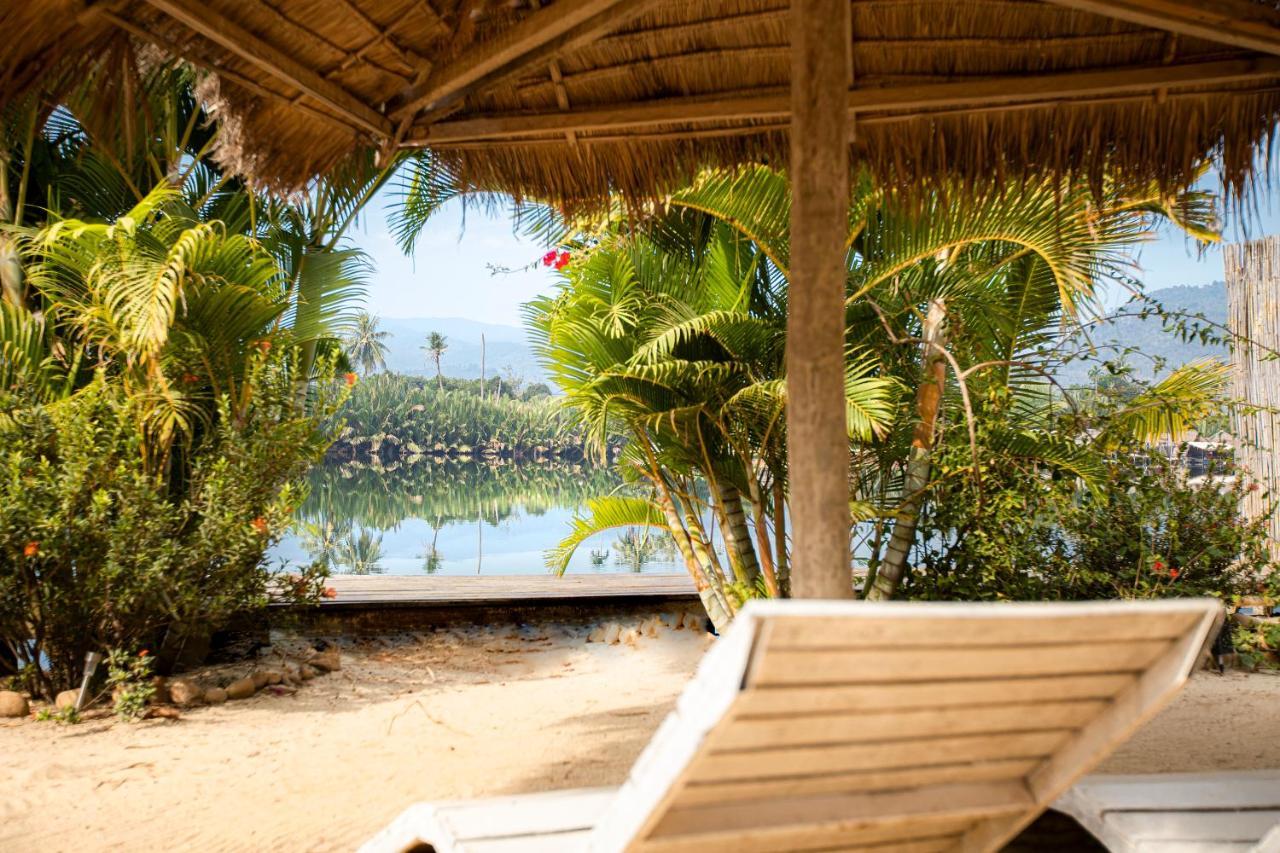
(562,261)
(1173,574)
(1157,567)
(351,378)
(259,525)
(330,592)
(549,258)
(190,378)
(31,549)
(1253,487)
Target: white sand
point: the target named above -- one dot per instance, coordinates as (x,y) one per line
(443,716)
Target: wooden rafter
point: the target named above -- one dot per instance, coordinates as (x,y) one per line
(774,105)
(1239,23)
(534,40)
(232,37)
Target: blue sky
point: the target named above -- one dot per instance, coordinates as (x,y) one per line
(450,274)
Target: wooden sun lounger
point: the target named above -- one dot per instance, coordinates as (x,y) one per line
(855,726)
(1236,812)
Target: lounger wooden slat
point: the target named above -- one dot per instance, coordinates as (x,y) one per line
(935,694)
(888,727)
(1180,812)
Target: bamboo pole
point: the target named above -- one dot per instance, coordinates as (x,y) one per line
(817,440)
(1253,303)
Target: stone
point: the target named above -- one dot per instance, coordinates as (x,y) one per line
(161,693)
(261,678)
(631,636)
(327,661)
(215,695)
(673,620)
(184,692)
(307,672)
(66,699)
(13,704)
(163,713)
(241,688)
(651,626)
(596,635)
(612,633)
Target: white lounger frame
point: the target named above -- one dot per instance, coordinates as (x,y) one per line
(1236,812)
(902,727)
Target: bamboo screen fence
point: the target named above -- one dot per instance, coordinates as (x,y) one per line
(1253,297)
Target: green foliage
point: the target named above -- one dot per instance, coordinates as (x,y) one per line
(63,717)
(1258,645)
(410,412)
(132,682)
(1144,531)
(97,550)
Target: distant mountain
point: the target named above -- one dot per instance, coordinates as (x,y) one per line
(1148,337)
(505,347)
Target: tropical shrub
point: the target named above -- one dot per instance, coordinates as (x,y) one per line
(99,551)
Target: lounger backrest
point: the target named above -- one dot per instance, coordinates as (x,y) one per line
(816,725)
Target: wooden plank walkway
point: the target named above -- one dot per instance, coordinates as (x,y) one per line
(437,590)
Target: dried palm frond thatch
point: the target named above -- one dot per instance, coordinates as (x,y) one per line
(571,100)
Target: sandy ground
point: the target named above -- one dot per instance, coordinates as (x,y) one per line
(445,715)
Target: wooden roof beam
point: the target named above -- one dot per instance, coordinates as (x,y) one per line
(537,38)
(236,39)
(994,91)
(1239,23)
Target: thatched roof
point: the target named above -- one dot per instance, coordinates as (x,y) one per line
(569,100)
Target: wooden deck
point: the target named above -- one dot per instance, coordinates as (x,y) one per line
(436,590)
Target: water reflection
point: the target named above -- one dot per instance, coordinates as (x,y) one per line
(461,518)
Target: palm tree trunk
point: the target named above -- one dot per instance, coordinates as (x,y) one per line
(716,607)
(737,535)
(439,375)
(780,536)
(11,283)
(920,460)
(482,368)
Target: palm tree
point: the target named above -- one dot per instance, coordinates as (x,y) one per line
(435,348)
(361,554)
(953,299)
(366,344)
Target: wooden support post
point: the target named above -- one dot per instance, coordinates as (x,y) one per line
(817,438)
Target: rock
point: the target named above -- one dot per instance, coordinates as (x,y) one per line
(631,636)
(327,661)
(612,633)
(215,696)
(260,679)
(672,620)
(650,627)
(185,692)
(66,699)
(596,635)
(13,704)
(163,713)
(307,672)
(161,694)
(242,688)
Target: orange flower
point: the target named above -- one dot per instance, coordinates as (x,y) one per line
(330,592)
(264,347)
(351,378)
(1157,567)
(1173,574)
(259,524)
(143,653)
(31,550)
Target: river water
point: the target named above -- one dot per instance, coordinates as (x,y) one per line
(461,519)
